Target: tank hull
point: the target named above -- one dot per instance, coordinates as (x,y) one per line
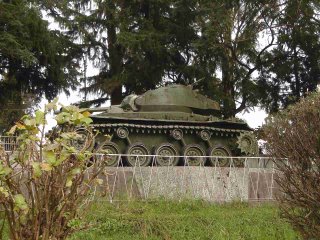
(203,136)
(174,121)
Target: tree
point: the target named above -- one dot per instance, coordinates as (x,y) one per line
(231,31)
(293,139)
(34,61)
(246,53)
(136,44)
(295,69)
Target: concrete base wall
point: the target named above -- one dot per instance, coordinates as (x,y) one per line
(207,183)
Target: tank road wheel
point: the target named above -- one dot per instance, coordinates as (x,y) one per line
(215,152)
(137,155)
(84,140)
(166,155)
(109,148)
(193,155)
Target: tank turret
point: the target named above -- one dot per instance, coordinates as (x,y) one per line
(171,121)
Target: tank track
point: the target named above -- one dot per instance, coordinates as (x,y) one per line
(208,140)
(143,128)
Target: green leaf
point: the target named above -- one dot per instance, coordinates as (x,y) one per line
(63,156)
(30,122)
(4,192)
(63,117)
(86,120)
(69,135)
(52,146)
(50,157)
(52,105)
(37,172)
(75,171)
(4,171)
(40,117)
(20,203)
(69,182)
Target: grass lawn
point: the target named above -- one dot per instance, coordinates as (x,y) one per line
(184,220)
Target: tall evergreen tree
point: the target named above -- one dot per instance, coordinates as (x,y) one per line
(33,60)
(135,44)
(231,32)
(245,52)
(295,70)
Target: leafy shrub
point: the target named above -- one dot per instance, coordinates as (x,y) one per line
(43,184)
(294,136)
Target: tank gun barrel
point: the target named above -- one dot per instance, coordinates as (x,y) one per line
(91,110)
(97,109)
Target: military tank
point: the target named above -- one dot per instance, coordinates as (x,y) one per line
(175,123)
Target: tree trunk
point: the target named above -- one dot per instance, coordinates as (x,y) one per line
(297,89)
(229,106)
(116,96)
(227,68)
(115,56)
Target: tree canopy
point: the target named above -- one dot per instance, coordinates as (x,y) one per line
(34,61)
(246,53)
(294,70)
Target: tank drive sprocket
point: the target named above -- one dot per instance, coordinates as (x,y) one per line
(248,144)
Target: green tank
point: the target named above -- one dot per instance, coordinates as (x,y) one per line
(171,121)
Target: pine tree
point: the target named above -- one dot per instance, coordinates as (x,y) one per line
(295,70)
(230,32)
(246,53)
(135,44)
(33,60)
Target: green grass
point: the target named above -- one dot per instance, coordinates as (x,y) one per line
(184,220)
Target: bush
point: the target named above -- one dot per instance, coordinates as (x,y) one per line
(294,136)
(43,184)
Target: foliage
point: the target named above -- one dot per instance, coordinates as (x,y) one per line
(230,38)
(294,70)
(247,53)
(294,136)
(34,61)
(192,219)
(49,176)
(176,41)
(135,44)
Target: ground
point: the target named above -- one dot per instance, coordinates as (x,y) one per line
(183,220)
